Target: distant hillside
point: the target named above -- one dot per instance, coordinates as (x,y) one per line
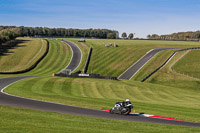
(190,35)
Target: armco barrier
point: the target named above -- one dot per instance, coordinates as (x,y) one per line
(87,62)
(87,76)
(166,62)
(33,66)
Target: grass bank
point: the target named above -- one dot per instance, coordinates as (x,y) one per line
(22,55)
(189,64)
(58,57)
(154,63)
(32,121)
(111,61)
(84,49)
(167,77)
(98,94)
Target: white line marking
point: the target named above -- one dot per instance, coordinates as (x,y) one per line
(147,115)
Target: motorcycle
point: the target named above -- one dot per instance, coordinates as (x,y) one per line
(122,109)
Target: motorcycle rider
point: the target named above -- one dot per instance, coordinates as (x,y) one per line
(125,103)
(122,107)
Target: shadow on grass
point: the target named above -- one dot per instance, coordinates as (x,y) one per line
(4,49)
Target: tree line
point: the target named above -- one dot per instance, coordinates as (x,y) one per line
(177,36)
(63,32)
(8,34)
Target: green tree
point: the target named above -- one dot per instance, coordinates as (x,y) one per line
(8,34)
(154,36)
(124,35)
(148,36)
(44,31)
(111,36)
(130,36)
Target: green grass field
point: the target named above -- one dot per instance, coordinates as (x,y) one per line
(32,121)
(85,50)
(58,58)
(26,52)
(154,63)
(168,77)
(167,93)
(189,64)
(110,61)
(99,94)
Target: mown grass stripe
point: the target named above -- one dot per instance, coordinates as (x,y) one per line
(55,55)
(188,65)
(54,63)
(19,58)
(45,63)
(95,93)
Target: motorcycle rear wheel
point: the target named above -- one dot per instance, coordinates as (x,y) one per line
(111,111)
(126,112)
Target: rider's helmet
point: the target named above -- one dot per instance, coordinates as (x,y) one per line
(127,100)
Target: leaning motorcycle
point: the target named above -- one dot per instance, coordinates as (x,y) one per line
(119,109)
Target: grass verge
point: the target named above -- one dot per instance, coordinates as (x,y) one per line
(23,55)
(111,61)
(154,63)
(189,64)
(166,76)
(84,49)
(98,94)
(33,121)
(58,57)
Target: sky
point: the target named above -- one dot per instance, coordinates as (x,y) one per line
(142,17)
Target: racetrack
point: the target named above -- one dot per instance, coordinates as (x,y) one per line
(10,100)
(131,71)
(76,57)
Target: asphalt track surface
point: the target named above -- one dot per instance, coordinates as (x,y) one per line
(10,100)
(131,71)
(76,57)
